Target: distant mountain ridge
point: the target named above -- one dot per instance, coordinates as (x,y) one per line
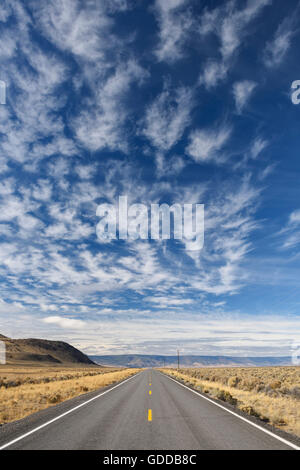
(42,351)
(140,360)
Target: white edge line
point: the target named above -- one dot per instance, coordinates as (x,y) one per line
(235,414)
(66,413)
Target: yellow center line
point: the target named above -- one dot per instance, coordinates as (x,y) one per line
(150,393)
(149,415)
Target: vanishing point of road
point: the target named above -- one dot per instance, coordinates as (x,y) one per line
(149,411)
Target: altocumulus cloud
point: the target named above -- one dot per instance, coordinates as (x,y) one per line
(170,101)
(63,322)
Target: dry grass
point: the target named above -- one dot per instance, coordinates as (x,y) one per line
(25,390)
(269,393)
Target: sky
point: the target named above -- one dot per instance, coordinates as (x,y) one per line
(177,101)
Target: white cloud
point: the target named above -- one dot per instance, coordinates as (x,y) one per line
(101,121)
(56,231)
(59,168)
(63,322)
(118,5)
(43,190)
(205,145)
(169,166)
(31,114)
(267,171)
(295,217)
(277,48)
(213,334)
(228,223)
(7,187)
(167,117)
(213,73)
(289,235)
(233,25)
(86,172)
(242,92)
(83,31)
(8,45)
(258,146)
(229,24)
(59,257)
(5,12)
(32,123)
(175,23)
(12,207)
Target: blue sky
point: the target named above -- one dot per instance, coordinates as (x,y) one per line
(175,101)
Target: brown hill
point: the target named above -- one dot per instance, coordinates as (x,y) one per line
(42,351)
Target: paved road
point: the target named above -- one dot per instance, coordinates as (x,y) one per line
(128,417)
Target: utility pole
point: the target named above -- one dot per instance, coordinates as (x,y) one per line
(177,359)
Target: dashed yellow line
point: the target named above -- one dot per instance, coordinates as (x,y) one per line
(149,415)
(150,393)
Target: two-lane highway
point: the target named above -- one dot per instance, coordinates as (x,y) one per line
(148,411)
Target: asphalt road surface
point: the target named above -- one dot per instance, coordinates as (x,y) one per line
(149,411)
